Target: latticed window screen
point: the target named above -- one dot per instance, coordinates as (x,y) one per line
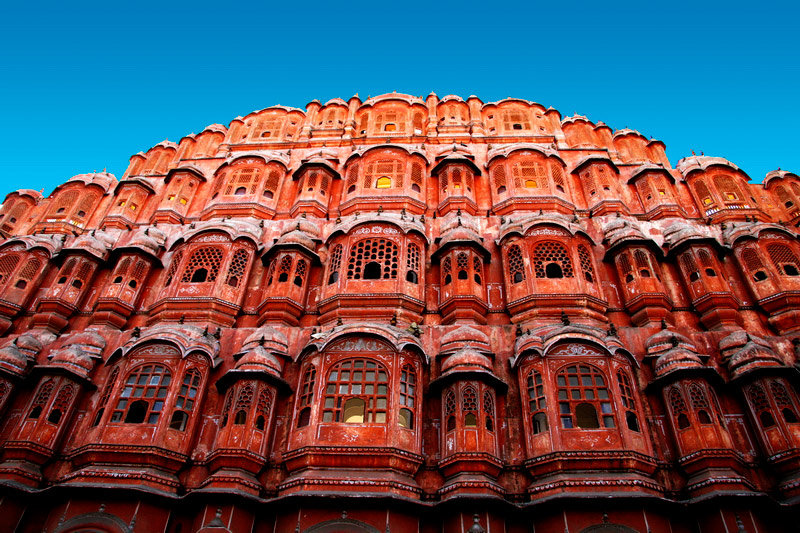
(516,267)
(245,398)
(462,265)
(751,260)
(42,397)
(529,174)
(112,379)
(626,391)
(705,259)
(335,264)
(761,406)
(352,176)
(271,185)
(550,252)
(237,268)
(488,409)
(68,267)
(8,263)
(585,259)
(416,175)
(728,188)
(558,176)
(697,397)
(381,251)
(678,406)
(65,202)
(364,379)
(123,267)
(243,181)
(86,205)
(307,389)
(284,267)
(300,272)
(477,268)
(582,397)
(188,391)
(703,193)
(469,406)
(499,177)
(515,121)
(689,266)
(384,168)
(173,267)
(587,177)
(642,260)
(784,196)
(208,258)
(784,402)
(784,259)
(264,402)
(146,388)
(447,270)
(412,259)
(61,403)
(645,190)
(84,271)
(267,128)
(450,410)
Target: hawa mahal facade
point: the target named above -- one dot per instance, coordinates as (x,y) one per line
(402,314)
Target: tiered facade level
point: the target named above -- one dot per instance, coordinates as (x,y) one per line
(402,314)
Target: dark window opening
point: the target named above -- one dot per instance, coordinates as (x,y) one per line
(98,417)
(790,270)
(333,278)
(462,274)
(517,277)
(683,421)
(628,278)
(406,418)
(81,214)
(179,420)
(789,415)
(298,281)
(132,284)
(478,279)
(632,421)
(240,418)
(283,277)
(118,279)
(760,275)
(21,284)
(586,416)
(448,279)
(136,412)
(694,276)
(501,190)
(77,283)
(372,270)
(489,423)
(55,416)
(304,418)
(539,423)
(60,210)
(766,419)
(260,422)
(62,280)
(702,416)
(645,273)
(351,189)
(711,273)
(268,194)
(451,423)
(517,126)
(559,188)
(470,420)
(412,277)
(35,412)
(199,275)
(240,191)
(553,270)
(588,276)
(415,187)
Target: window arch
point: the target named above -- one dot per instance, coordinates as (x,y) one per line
(173,267)
(8,263)
(699,402)
(784,402)
(585,259)
(447,271)
(143,395)
(384,174)
(412,263)
(112,379)
(408,387)
(628,401)
(203,265)
(61,404)
(41,399)
(728,188)
(243,402)
(243,180)
(761,407)
(469,407)
(703,193)
(373,259)
(551,260)
(450,410)
(488,410)
(186,399)
(752,262)
(357,391)
(237,268)
(583,398)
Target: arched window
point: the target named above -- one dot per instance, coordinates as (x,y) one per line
(186,398)
(384,182)
(488,410)
(237,268)
(499,177)
(784,402)
(462,265)
(226,411)
(373,259)
(477,270)
(300,272)
(516,269)
(728,188)
(707,263)
(262,408)
(243,402)
(628,402)
(142,398)
(447,271)
(412,263)
(703,193)
(408,387)
(306,396)
(700,404)
(335,264)
(761,407)
(450,411)
(42,397)
(363,380)
(61,404)
(679,410)
(203,266)
(583,398)
(271,184)
(586,263)
(112,379)
(752,262)
(784,259)
(8,262)
(689,266)
(173,267)
(469,407)
(537,403)
(243,180)
(284,268)
(384,174)
(551,260)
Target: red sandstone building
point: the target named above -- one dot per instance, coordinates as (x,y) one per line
(402,314)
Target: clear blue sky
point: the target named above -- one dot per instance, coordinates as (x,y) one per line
(87,84)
